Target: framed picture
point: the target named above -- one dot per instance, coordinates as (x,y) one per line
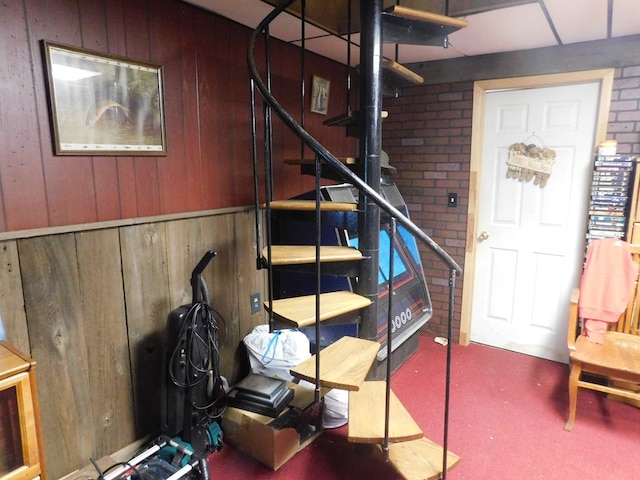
(320,95)
(103,104)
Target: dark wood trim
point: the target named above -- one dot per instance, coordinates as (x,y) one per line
(614,53)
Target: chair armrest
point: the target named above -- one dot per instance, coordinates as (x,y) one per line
(572,327)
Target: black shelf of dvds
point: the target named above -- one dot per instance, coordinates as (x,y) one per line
(612,189)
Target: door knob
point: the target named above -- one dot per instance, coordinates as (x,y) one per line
(483,236)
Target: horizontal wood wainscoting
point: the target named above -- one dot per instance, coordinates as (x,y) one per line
(91,306)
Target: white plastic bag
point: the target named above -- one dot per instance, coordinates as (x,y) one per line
(274,354)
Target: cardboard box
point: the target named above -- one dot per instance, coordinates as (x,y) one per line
(273,441)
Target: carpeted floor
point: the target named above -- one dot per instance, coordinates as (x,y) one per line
(505,422)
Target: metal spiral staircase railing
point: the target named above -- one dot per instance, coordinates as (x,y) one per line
(371,204)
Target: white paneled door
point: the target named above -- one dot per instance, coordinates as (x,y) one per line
(531,239)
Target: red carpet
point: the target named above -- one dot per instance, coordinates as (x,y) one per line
(506,422)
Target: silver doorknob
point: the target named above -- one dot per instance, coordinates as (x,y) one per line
(483,236)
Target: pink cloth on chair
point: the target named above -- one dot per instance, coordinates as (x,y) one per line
(606,286)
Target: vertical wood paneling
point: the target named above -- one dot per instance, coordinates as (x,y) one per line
(96,306)
(208,165)
(105,330)
(126,181)
(225,108)
(218,234)
(11,297)
(187,242)
(53,305)
(249,281)
(136,18)
(93,20)
(172,176)
(67,203)
(192,158)
(240,110)
(144,269)
(23,202)
(213,185)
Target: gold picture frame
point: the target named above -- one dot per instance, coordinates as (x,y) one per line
(320,95)
(103,104)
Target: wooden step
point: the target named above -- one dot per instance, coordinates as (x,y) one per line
(344,364)
(410,26)
(300,312)
(310,205)
(312,161)
(420,459)
(304,254)
(400,74)
(367,412)
(349,119)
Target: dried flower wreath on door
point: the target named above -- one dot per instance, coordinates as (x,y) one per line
(529,161)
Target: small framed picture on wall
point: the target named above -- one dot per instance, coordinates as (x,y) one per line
(320,95)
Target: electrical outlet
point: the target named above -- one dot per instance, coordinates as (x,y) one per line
(255,303)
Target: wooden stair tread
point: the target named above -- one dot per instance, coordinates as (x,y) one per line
(349,118)
(344,364)
(409,26)
(311,161)
(366,416)
(310,205)
(420,459)
(402,72)
(304,254)
(301,311)
(427,17)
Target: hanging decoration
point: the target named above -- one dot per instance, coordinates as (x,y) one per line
(529,161)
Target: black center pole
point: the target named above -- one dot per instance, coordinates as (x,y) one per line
(369,146)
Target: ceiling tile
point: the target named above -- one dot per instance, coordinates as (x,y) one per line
(516,28)
(626,18)
(588,22)
(334,48)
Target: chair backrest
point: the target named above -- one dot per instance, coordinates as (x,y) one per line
(629,320)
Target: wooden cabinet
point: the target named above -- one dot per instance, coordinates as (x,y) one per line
(21,454)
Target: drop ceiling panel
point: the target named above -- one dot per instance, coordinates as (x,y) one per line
(516,28)
(332,47)
(587,22)
(246,12)
(626,18)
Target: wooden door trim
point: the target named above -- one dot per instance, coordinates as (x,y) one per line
(481,88)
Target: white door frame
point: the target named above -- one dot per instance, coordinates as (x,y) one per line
(480,89)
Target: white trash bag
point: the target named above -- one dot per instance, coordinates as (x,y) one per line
(274,354)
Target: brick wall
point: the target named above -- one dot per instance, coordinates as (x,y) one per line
(428,138)
(624,116)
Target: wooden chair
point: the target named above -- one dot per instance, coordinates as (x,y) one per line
(613,367)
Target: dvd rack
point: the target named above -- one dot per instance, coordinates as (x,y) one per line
(611,195)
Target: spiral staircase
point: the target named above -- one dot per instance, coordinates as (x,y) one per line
(376,415)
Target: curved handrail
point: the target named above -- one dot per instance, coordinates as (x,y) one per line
(320,150)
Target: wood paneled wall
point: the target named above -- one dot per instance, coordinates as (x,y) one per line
(95,311)
(208,164)
(90,304)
